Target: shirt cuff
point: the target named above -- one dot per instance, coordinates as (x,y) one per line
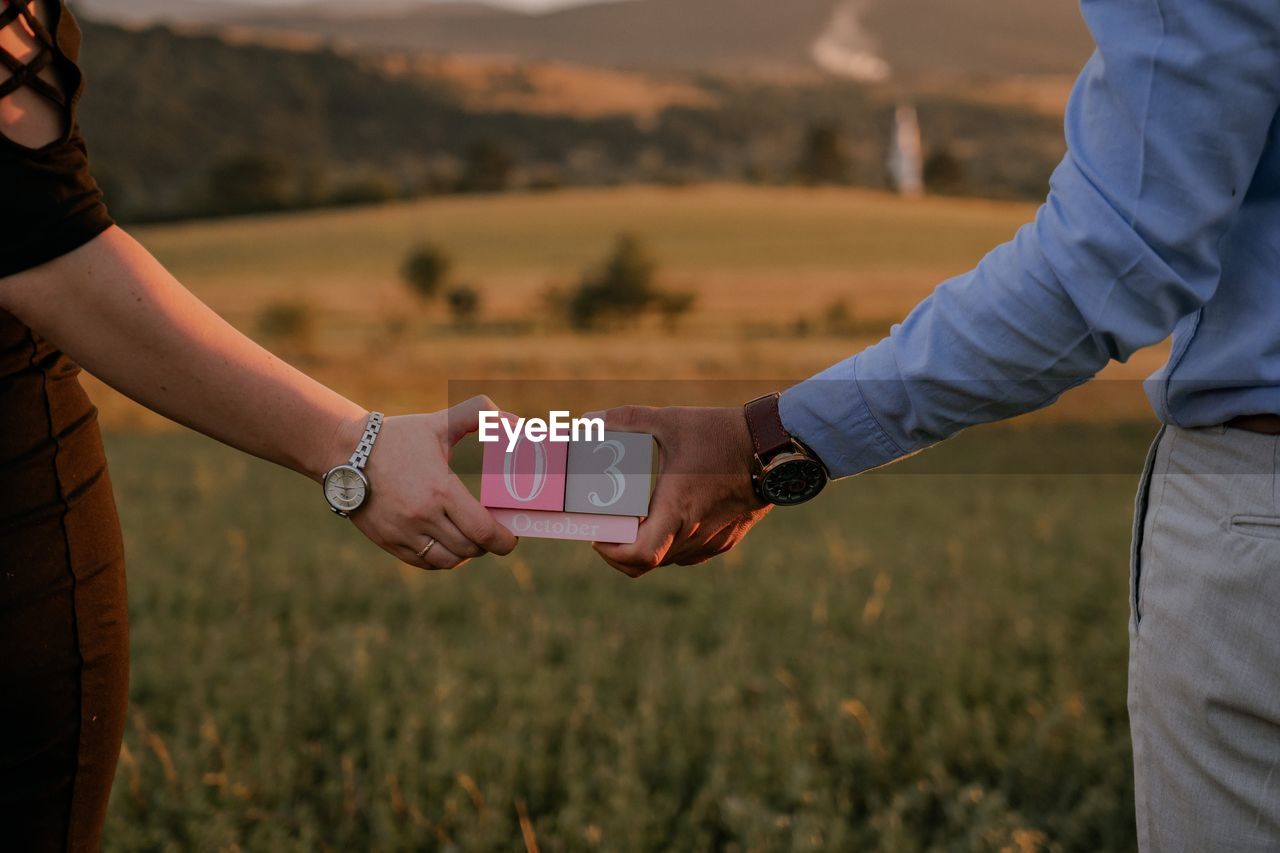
(829,414)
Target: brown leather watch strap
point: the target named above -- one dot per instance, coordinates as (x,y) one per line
(767,432)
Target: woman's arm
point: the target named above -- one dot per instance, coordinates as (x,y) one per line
(116,311)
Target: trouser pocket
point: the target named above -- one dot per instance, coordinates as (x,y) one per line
(1140,509)
(1257,526)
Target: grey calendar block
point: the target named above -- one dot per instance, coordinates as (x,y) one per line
(611,477)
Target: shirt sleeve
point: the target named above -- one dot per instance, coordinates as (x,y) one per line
(1165,129)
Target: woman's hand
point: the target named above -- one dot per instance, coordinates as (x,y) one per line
(415,497)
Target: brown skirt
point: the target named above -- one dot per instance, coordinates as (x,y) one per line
(63,613)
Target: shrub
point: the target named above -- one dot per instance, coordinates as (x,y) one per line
(943,172)
(251,183)
(487,168)
(464,304)
(425,271)
(371,189)
(622,288)
(825,158)
(838,319)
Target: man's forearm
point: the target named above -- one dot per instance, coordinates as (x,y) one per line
(116,311)
(1165,132)
(1000,341)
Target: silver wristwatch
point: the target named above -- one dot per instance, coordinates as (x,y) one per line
(346,487)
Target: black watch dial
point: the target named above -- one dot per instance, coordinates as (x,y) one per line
(793,481)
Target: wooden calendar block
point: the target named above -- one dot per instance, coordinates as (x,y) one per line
(592,491)
(569,525)
(530,477)
(612,477)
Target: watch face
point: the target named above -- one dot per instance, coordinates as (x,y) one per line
(792,480)
(345,488)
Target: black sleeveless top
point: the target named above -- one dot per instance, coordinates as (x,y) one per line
(49,203)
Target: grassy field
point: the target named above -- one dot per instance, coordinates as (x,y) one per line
(931,658)
(917,662)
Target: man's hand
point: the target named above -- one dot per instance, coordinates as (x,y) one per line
(704,503)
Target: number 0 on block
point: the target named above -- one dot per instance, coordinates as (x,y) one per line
(595,491)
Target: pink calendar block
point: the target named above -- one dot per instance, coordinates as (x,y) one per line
(569,525)
(530,477)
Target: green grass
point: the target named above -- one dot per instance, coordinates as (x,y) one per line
(932,658)
(915,662)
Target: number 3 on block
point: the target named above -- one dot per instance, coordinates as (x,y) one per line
(610,477)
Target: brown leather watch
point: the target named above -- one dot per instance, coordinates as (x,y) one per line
(786,472)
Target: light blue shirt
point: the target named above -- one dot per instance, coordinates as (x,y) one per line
(1164,217)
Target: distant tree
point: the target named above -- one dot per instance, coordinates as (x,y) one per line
(252,183)
(425,271)
(622,288)
(487,167)
(754,173)
(943,172)
(838,319)
(584,307)
(464,304)
(825,157)
(628,274)
(546,182)
(312,184)
(371,189)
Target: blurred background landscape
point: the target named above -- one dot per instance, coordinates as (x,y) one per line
(685,200)
(251,108)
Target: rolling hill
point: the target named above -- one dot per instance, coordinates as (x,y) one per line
(914,38)
(185,124)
